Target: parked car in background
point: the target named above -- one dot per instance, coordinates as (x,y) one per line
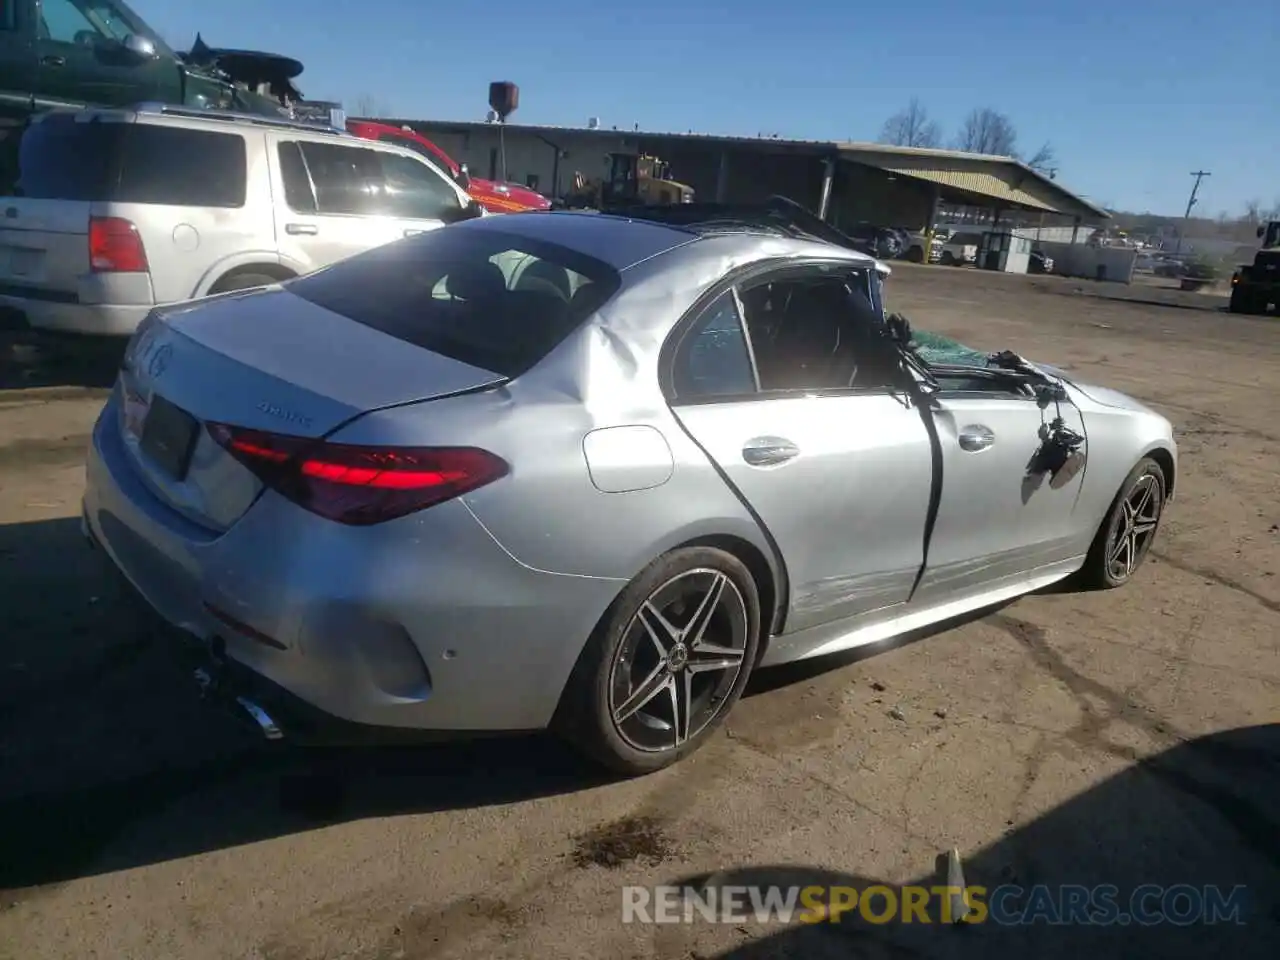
(493,196)
(59,53)
(960,249)
(111,212)
(589,472)
(914,247)
(1039,262)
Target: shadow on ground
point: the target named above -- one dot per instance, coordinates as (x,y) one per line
(109,760)
(1200,814)
(27,361)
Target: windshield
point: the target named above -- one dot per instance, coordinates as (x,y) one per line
(935,349)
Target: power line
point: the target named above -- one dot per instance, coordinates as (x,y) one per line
(1191,202)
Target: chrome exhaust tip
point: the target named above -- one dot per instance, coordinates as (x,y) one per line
(211,689)
(268,727)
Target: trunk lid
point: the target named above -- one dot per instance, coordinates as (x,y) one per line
(267,361)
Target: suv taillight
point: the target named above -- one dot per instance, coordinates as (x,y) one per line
(359,485)
(115,247)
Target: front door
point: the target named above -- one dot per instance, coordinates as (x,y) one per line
(1000,518)
(17,62)
(80,57)
(416,194)
(836,465)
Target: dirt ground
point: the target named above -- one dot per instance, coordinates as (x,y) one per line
(1129,737)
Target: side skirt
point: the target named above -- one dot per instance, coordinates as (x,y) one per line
(838,637)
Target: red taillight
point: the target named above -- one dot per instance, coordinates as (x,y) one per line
(359,485)
(115,247)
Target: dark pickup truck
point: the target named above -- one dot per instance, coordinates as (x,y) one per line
(56,53)
(1256,286)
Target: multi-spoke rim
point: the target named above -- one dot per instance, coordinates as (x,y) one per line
(1135,526)
(679,660)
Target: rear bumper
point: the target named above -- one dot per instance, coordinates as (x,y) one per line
(421,624)
(77,318)
(268,707)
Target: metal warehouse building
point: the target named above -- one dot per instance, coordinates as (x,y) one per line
(846,182)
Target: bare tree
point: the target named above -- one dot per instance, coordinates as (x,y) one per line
(1044,160)
(911,127)
(369,106)
(988,131)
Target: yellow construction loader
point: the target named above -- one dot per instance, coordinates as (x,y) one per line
(632,180)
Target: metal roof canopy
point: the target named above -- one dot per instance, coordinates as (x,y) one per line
(1005,180)
(990,178)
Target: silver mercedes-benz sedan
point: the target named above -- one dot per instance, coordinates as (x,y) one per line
(586,472)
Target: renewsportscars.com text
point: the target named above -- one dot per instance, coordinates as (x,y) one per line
(1006,905)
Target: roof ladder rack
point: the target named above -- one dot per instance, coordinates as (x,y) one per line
(232,116)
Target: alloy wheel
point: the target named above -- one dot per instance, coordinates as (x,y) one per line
(1135,527)
(679,660)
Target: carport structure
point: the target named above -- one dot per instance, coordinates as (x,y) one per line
(919,181)
(847,182)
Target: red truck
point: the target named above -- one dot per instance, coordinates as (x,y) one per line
(494,197)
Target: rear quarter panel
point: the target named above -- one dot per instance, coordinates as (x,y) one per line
(548,513)
(189,248)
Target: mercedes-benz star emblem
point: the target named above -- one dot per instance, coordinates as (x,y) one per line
(160,361)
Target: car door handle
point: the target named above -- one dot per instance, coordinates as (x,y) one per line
(53,61)
(412,233)
(301,229)
(768,451)
(976,438)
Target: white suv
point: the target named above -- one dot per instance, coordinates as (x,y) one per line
(111,212)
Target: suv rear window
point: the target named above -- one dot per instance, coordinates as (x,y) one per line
(491,299)
(61,159)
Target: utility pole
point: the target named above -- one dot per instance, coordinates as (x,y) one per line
(1195,188)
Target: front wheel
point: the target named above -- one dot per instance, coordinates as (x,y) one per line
(1126,535)
(666,665)
(1243,302)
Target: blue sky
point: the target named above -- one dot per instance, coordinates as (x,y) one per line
(1133,96)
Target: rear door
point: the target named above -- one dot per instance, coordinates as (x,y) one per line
(836,464)
(62,167)
(81,58)
(327,202)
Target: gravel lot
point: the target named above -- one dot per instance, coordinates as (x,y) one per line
(1129,737)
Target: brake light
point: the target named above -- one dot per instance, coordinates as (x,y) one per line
(115,246)
(359,485)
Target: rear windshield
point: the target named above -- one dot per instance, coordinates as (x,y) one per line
(491,299)
(61,159)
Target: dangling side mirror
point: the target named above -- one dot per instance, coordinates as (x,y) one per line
(900,330)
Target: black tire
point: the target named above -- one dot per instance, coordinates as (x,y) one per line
(1109,564)
(622,662)
(242,281)
(915,255)
(948,259)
